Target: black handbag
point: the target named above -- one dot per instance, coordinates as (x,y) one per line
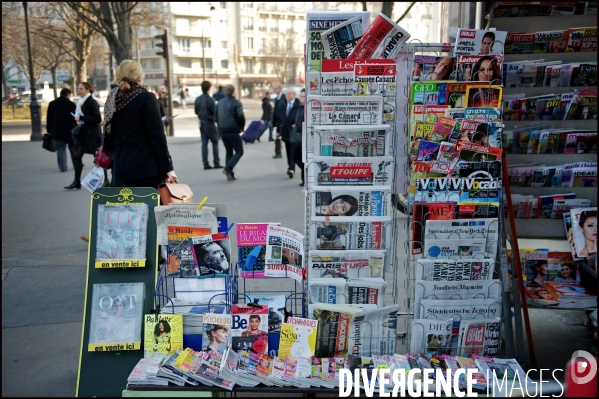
(75,132)
(294,136)
(48,142)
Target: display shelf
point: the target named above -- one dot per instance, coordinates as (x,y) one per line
(549,159)
(540,91)
(565,57)
(572,124)
(581,192)
(540,24)
(549,228)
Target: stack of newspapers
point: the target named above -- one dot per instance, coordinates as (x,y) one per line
(146,371)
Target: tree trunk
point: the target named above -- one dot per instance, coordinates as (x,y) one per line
(387,8)
(80,71)
(5,83)
(54,82)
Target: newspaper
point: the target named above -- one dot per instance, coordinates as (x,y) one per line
(345,264)
(454,248)
(95,178)
(344,110)
(354,141)
(348,171)
(335,202)
(284,253)
(378,80)
(481,337)
(366,291)
(340,40)
(183,215)
(453,270)
(383,39)
(367,234)
(319,21)
(373,332)
(328,290)
(464,309)
(431,336)
(450,290)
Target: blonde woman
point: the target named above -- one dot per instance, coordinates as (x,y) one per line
(134,133)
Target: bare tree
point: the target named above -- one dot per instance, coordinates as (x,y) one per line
(115,21)
(282,50)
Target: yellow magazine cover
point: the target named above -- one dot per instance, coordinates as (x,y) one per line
(298,338)
(163,333)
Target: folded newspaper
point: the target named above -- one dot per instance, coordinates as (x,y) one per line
(340,40)
(383,39)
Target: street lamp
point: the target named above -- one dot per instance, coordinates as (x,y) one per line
(34,106)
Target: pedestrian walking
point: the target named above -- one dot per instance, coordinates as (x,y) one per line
(275,118)
(59,123)
(287,113)
(219,95)
(89,137)
(267,115)
(231,122)
(299,121)
(205,109)
(183,96)
(135,133)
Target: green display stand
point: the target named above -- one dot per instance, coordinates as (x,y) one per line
(105,373)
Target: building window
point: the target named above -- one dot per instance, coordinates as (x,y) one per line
(207,43)
(184,46)
(185,63)
(262,66)
(144,65)
(248,66)
(155,64)
(223,44)
(249,43)
(247,23)
(208,64)
(262,48)
(224,64)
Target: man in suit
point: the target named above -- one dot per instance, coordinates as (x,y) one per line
(59,123)
(287,113)
(275,118)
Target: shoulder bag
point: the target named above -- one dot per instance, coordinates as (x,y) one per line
(48,142)
(173,192)
(295,137)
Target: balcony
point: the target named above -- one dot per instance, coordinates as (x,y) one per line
(195,52)
(272,8)
(194,32)
(196,10)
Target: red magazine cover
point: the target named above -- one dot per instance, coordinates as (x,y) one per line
(424,211)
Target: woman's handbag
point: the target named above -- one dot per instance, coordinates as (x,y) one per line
(48,142)
(101,159)
(294,136)
(75,132)
(173,192)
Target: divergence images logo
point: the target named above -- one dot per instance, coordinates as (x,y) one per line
(585,371)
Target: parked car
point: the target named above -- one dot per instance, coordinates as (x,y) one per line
(194,92)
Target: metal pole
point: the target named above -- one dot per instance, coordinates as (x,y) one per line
(138,51)
(34,106)
(203,57)
(478,22)
(169,82)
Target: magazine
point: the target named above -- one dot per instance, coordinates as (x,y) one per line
(476,42)
(183,215)
(424,211)
(116,317)
(121,236)
(478,153)
(427,67)
(502,370)
(276,316)
(334,202)
(333,329)
(366,234)
(481,337)
(383,39)
(564,205)
(345,264)
(344,110)
(217,333)
(339,41)
(251,248)
(249,328)
(320,21)
(432,337)
(211,254)
(584,228)
(284,253)
(163,333)
(181,262)
(298,338)
(480,68)
(373,332)
(94,180)
(453,270)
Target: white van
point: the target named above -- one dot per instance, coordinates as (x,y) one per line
(43,96)
(194,92)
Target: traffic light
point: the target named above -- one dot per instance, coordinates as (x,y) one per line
(163,45)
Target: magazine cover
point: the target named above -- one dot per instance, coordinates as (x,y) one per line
(163,333)
(345,264)
(183,215)
(276,316)
(211,254)
(251,248)
(116,317)
(333,329)
(351,171)
(383,39)
(249,328)
(473,152)
(181,262)
(479,133)
(373,332)
(298,338)
(476,42)
(478,97)
(353,141)
(456,92)
(333,202)
(323,110)
(430,93)
(584,228)
(427,67)
(432,337)
(217,333)
(318,22)
(121,236)
(367,234)
(453,270)
(284,253)
(480,68)
(424,211)
(340,40)
(446,160)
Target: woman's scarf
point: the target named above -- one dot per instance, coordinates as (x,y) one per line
(117,100)
(78,112)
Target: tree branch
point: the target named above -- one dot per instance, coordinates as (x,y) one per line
(405,12)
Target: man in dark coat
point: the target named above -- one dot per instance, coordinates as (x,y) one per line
(275,118)
(287,114)
(205,110)
(219,95)
(231,122)
(59,123)
(267,115)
